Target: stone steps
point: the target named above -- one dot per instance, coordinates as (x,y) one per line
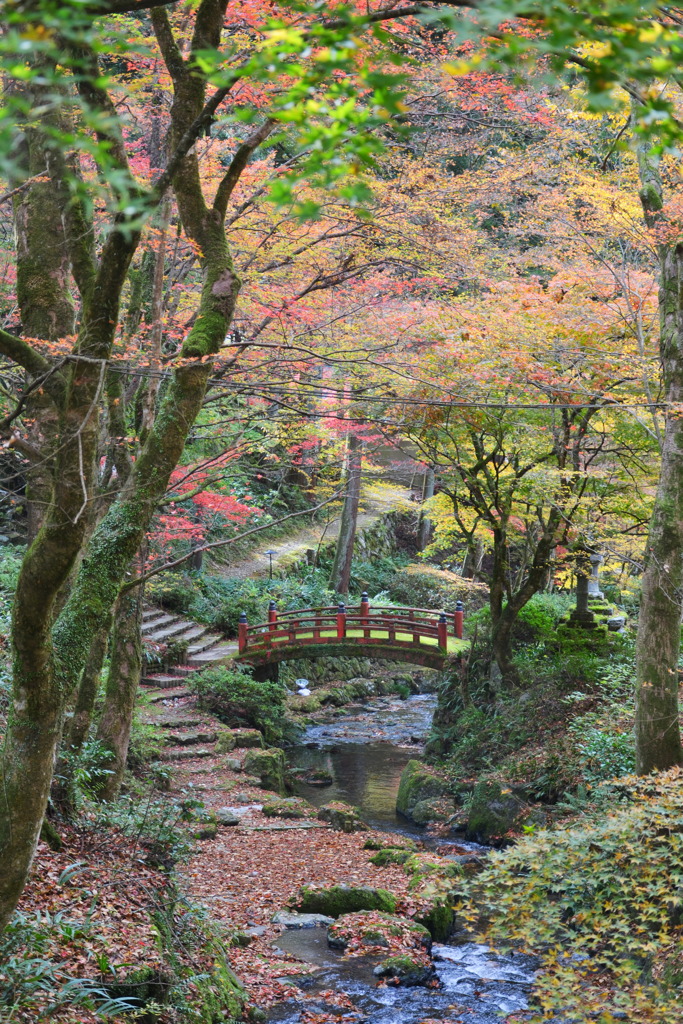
(204,647)
(187,753)
(212,656)
(159,620)
(170,631)
(170,693)
(208,640)
(184,671)
(179,722)
(164,681)
(191,738)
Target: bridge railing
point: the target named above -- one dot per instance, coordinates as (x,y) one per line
(395,626)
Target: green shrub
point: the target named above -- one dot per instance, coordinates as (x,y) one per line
(238,700)
(603,750)
(145,745)
(218,601)
(85,770)
(423,586)
(599,901)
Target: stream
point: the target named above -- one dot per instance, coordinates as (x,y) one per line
(366,750)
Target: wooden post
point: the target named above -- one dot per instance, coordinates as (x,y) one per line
(457,619)
(242,633)
(341,621)
(364,612)
(272,616)
(443,631)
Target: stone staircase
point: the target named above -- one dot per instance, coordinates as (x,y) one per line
(204,649)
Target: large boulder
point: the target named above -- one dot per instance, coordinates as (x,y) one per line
(403,945)
(336,900)
(268,766)
(494,810)
(405,969)
(422,794)
(439,918)
(247,738)
(291,807)
(342,817)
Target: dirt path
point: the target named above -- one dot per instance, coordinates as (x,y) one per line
(376,500)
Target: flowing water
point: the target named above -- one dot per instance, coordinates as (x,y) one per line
(365,751)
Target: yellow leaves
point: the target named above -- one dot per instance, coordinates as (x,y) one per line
(37,33)
(651,34)
(462,67)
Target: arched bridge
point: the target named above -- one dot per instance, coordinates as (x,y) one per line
(417,635)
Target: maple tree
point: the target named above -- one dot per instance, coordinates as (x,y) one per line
(78,158)
(626,56)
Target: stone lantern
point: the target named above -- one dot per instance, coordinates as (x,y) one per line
(582,616)
(594,592)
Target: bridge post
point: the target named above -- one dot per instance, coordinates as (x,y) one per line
(272,616)
(364,612)
(443,631)
(458,617)
(242,633)
(341,621)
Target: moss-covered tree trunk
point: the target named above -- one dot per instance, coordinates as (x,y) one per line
(49,656)
(88,688)
(114,727)
(340,577)
(658,736)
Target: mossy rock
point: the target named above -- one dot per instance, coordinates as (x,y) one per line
(342,817)
(291,807)
(494,810)
(425,812)
(407,970)
(419,786)
(439,920)
(384,857)
(268,766)
(209,830)
(225,742)
(343,899)
(248,738)
(370,928)
(318,777)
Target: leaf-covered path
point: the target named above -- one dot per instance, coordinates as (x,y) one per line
(376,500)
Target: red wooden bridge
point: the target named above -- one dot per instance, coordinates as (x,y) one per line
(418,635)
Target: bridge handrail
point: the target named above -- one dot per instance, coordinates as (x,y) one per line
(268,632)
(333,610)
(306,625)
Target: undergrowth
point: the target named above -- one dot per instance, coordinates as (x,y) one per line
(569,725)
(233,696)
(600,900)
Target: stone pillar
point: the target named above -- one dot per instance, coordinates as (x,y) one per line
(594,591)
(582,616)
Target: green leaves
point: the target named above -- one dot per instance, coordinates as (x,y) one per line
(617,49)
(600,896)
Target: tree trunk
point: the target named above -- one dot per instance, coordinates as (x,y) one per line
(658,736)
(424,533)
(501,643)
(79,726)
(122,686)
(340,577)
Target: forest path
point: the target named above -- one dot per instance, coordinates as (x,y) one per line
(376,500)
